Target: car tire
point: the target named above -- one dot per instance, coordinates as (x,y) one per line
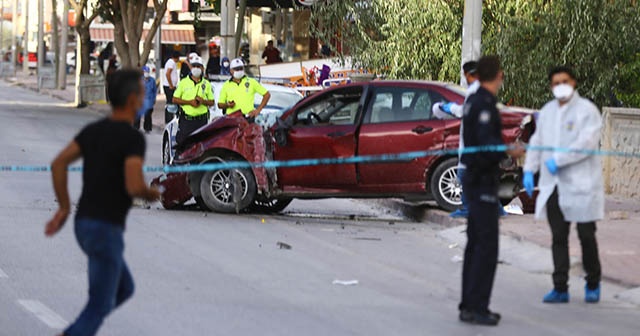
(273,205)
(444,185)
(217,188)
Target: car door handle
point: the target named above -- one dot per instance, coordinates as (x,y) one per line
(336,134)
(422,129)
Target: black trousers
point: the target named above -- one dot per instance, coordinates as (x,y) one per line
(560,247)
(168,92)
(481,252)
(186,127)
(147,121)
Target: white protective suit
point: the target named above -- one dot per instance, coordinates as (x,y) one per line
(575,125)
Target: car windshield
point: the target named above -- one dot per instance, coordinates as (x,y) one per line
(280,100)
(279,103)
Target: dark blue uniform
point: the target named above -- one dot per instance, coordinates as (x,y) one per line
(482,127)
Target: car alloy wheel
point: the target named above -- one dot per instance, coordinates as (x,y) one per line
(226,185)
(449,187)
(227,190)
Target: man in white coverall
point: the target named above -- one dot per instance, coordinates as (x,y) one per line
(570,185)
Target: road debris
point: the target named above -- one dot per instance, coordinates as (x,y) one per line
(345,282)
(283,246)
(514,209)
(454,245)
(457,259)
(367,238)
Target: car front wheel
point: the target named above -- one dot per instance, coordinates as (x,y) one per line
(446,189)
(227,191)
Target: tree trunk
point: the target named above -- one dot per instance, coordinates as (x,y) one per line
(85,59)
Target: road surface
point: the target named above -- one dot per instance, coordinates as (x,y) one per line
(201,273)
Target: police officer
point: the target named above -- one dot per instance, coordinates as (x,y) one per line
(238,93)
(194,95)
(482,127)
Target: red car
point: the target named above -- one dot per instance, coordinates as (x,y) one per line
(372,118)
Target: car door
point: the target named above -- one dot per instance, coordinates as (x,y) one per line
(399,119)
(325,127)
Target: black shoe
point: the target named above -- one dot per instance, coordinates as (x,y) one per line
(487,318)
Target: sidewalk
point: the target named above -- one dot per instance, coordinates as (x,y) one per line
(30,81)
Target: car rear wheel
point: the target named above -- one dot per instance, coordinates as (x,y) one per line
(273,205)
(446,189)
(227,191)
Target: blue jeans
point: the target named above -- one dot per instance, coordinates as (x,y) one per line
(110,282)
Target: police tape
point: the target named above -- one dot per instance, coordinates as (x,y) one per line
(372,159)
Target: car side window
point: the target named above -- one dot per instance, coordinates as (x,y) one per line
(393,104)
(339,107)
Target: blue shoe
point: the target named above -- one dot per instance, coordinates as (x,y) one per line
(503,213)
(460,213)
(591,295)
(556,297)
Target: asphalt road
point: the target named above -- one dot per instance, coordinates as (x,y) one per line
(209,274)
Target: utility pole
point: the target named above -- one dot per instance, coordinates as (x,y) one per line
(242,10)
(62,62)
(14,48)
(40,54)
(227,28)
(25,52)
(471,33)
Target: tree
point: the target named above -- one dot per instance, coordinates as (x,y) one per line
(401,39)
(128,17)
(82,28)
(596,37)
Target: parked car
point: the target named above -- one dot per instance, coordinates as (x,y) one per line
(282,98)
(370,118)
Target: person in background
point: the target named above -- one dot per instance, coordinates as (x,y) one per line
(170,81)
(482,127)
(448,110)
(113,157)
(571,184)
(213,64)
(195,95)
(238,93)
(185,67)
(271,53)
(150,92)
(225,68)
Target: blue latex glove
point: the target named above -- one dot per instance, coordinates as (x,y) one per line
(446,107)
(527,183)
(551,166)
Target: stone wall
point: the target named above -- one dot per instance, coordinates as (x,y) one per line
(621,133)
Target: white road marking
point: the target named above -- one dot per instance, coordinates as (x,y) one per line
(43,313)
(3,274)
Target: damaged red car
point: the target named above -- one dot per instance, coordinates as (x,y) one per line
(371,118)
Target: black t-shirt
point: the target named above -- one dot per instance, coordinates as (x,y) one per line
(105,146)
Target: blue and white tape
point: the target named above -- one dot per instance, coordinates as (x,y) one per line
(400,157)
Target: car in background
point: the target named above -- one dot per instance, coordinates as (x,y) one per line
(362,119)
(282,98)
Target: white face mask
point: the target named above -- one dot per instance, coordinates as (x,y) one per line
(225,64)
(238,74)
(196,72)
(563,92)
(146,75)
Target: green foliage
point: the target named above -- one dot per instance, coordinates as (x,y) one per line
(421,39)
(400,38)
